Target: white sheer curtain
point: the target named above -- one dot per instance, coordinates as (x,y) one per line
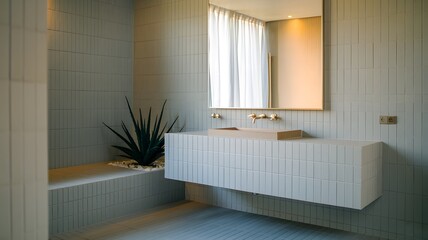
(238,67)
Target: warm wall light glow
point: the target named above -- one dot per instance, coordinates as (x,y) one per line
(289,16)
(49,13)
(300,76)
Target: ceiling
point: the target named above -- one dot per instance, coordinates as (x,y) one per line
(272,10)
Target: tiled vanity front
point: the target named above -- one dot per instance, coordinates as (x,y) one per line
(334,172)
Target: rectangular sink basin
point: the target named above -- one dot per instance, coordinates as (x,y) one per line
(258,133)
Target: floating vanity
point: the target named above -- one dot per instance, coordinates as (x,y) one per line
(334,172)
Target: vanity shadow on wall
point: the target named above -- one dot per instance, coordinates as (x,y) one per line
(266,54)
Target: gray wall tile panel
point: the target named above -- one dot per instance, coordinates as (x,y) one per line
(90,73)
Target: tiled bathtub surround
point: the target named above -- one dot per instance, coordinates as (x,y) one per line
(333,172)
(375,64)
(90,73)
(95,193)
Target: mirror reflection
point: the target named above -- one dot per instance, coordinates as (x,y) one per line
(265,54)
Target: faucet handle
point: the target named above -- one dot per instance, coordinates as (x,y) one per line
(253,117)
(273,117)
(262,115)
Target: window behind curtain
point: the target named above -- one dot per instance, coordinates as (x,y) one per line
(238,69)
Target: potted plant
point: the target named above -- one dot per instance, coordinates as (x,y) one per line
(149,143)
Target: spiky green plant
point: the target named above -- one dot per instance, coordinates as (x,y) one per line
(149,144)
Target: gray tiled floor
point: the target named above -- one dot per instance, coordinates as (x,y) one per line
(191,220)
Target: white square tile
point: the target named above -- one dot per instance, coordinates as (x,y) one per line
(302,188)
(310,152)
(281,168)
(296,187)
(357,196)
(332,171)
(349,195)
(289,150)
(333,154)
(310,169)
(256,182)
(269,165)
(341,154)
(332,188)
(324,171)
(309,189)
(282,149)
(232,178)
(288,186)
(349,174)
(325,153)
(317,191)
(275,149)
(325,191)
(281,185)
(268,182)
(357,156)
(275,184)
(269,149)
(238,178)
(357,175)
(275,165)
(317,153)
(340,176)
(349,155)
(296,168)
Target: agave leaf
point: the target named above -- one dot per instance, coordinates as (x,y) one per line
(137,128)
(119,135)
(150,153)
(162,132)
(162,140)
(170,127)
(128,151)
(149,118)
(145,142)
(143,124)
(132,143)
(154,132)
(158,123)
(140,138)
(156,156)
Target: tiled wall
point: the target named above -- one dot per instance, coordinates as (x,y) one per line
(376,61)
(23,120)
(171,60)
(90,73)
(75,207)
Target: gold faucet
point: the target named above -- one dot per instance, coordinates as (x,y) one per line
(254,117)
(273,117)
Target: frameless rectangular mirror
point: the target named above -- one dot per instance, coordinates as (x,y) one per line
(266,54)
